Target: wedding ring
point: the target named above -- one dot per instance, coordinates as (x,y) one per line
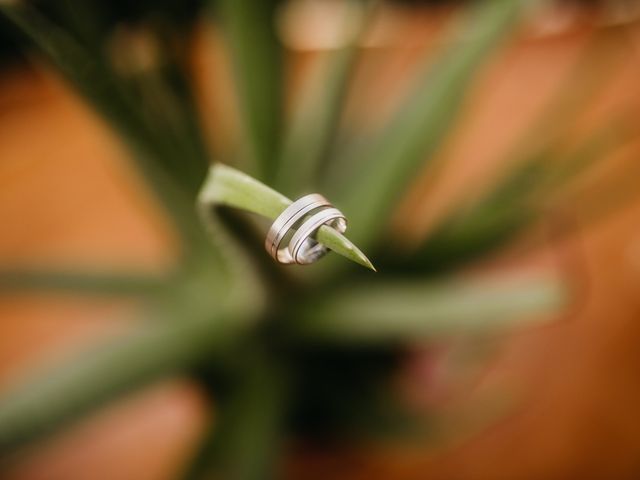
(305,215)
(287,220)
(302,247)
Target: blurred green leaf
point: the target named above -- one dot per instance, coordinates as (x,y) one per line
(536,167)
(526,193)
(597,145)
(207,305)
(173,120)
(230,187)
(413,135)
(464,238)
(316,118)
(75,281)
(249,28)
(58,395)
(88,20)
(579,89)
(410,311)
(595,202)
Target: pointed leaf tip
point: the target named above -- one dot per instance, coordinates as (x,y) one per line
(338,243)
(364,261)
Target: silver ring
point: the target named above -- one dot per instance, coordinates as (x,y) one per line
(287,220)
(303,249)
(307,214)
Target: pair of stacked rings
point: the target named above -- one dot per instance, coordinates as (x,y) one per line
(306,215)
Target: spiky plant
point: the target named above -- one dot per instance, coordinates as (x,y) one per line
(285,352)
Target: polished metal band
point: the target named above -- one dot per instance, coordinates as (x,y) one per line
(307,214)
(302,247)
(287,220)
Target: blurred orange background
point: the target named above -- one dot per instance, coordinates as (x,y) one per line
(578,378)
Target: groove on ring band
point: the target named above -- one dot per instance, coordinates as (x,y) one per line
(286,221)
(310,226)
(302,248)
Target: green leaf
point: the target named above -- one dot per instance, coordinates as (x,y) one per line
(528,191)
(205,307)
(407,311)
(60,394)
(464,239)
(75,281)
(392,158)
(230,187)
(257,62)
(578,90)
(597,145)
(315,120)
(595,202)
(537,166)
(167,108)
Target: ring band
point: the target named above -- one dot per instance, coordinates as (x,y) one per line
(306,215)
(287,220)
(302,243)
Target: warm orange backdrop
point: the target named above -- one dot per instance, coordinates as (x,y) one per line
(67,197)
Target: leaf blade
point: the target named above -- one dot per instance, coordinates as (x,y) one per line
(408,311)
(49,399)
(257,66)
(228,186)
(421,124)
(314,122)
(75,281)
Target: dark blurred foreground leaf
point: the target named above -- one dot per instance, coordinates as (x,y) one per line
(245,438)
